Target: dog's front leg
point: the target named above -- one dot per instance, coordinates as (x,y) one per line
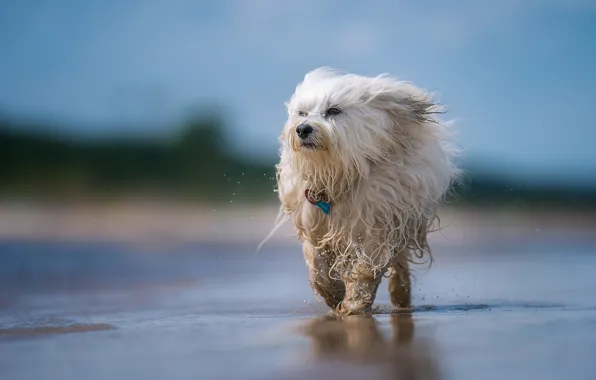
(361,289)
(400,286)
(332,290)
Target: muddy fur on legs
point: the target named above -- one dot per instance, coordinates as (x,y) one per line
(400,286)
(323,279)
(355,292)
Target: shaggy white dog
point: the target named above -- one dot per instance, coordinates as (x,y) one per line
(364,166)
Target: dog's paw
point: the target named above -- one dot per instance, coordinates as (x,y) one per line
(354,308)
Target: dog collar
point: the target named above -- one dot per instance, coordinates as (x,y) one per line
(318,201)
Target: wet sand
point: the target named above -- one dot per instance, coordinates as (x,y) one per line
(493,306)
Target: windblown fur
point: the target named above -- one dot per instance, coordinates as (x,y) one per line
(384,162)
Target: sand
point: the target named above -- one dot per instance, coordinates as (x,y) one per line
(152,221)
(498,308)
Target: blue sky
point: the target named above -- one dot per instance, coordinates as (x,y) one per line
(518,76)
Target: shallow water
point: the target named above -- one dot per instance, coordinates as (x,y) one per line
(496,310)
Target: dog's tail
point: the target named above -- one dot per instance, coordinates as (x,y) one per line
(279,221)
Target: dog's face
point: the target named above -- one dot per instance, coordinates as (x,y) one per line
(352,118)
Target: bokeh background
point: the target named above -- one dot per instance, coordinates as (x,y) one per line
(114,107)
(137,147)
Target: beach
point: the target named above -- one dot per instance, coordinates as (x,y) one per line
(173,291)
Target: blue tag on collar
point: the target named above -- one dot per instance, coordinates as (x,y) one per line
(310,197)
(325,206)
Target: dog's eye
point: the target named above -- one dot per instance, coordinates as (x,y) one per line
(333,111)
(302,113)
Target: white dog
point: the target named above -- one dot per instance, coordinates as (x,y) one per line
(364,166)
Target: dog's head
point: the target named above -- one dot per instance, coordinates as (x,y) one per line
(351,120)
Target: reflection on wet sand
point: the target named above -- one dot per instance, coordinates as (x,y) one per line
(361,341)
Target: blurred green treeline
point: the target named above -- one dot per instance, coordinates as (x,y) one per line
(194,163)
(191,164)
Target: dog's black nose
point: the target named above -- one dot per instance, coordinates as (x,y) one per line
(303,130)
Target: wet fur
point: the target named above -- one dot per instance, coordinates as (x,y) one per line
(385,163)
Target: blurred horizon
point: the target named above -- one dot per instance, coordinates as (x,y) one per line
(516,77)
(197,162)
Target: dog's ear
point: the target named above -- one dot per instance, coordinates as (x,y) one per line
(406,103)
(421,108)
